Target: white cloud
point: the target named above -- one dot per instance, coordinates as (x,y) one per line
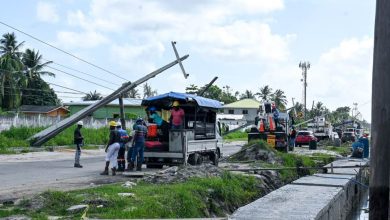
(87,39)
(47,12)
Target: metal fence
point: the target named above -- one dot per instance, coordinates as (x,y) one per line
(6,122)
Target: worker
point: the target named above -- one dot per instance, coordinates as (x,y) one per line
(124,138)
(357,149)
(293,135)
(177,116)
(130,148)
(78,141)
(112,149)
(140,132)
(157,119)
(275,113)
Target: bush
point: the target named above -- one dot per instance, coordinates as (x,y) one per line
(236,135)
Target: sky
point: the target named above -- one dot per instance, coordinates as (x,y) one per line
(246,43)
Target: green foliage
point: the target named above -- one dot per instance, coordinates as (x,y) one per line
(237,135)
(343,150)
(195,198)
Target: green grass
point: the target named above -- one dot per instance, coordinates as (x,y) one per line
(343,150)
(196,198)
(17,138)
(236,136)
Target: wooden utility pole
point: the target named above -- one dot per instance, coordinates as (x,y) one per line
(304,66)
(380,153)
(122,112)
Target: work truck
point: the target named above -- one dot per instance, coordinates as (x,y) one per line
(199,140)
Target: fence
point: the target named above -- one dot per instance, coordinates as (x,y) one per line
(6,122)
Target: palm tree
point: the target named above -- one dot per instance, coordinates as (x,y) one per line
(265,93)
(33,65)
(247,95)
(132,93)
(11,80)
(148,92)
(9,45)
(279,98)
(91,96)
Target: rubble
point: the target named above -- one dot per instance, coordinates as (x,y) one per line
(254,152)
(77,208)
(181,174)
(126,194)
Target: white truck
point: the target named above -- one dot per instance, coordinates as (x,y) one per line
(321,128)
(200,138)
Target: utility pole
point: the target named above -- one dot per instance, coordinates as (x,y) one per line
(304,66)
(122,112)
(380,115)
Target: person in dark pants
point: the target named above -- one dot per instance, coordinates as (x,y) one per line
(112,150)
(124,138)
(140,133)
(78,141)
(293,135)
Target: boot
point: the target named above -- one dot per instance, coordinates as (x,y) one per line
(77,165)
(113,171)
(130,166)
(139,166)
(105,172)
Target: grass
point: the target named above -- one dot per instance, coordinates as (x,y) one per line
(343,150)
(236,136)
(196,198)
(17,138)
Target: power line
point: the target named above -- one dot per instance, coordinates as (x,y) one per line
(63,51)
(42,90)
(79,77)
(14,94)
(88,74)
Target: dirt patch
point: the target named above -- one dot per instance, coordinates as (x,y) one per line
(255,152)
(181,174)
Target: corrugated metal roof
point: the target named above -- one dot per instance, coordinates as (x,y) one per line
(39,109)
(244,103)
(230,117)
(126,102)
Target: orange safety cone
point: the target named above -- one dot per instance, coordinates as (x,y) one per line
(271,123)
(261,127)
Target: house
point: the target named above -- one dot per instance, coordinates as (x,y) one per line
(230,121)
(51,111)
(132,108)
(246,107)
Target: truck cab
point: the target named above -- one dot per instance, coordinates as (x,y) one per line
(198,140)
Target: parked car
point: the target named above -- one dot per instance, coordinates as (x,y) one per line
(348,136)
(304,137)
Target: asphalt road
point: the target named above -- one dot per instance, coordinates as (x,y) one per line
(24,175)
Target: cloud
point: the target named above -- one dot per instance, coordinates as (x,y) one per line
(47,12)
(88,39)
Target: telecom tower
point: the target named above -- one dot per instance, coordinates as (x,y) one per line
(304,66)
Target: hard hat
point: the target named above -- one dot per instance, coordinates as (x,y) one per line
(152,109)
(80,123)
(112,124)
(118,124)
(139,120)
(175,103)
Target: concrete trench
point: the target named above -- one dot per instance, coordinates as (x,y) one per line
(320,196)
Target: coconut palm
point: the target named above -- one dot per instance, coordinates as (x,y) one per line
(265,93)
(247,95)
(33,64)
(279,98)
(91,96)
(9,45)
(11,80)
(148,91)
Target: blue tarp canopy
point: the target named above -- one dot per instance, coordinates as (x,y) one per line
(201,101)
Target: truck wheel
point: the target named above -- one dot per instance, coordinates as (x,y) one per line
(199,159)
(214,158)
(193,159)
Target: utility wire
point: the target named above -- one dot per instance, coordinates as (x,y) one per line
(42,90)
(63,51)
(88,74)
(14,94)
(67,88)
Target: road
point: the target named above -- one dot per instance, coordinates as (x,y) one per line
(31,173)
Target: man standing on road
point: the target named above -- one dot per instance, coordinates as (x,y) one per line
(124,138)
(78,141)
(140,132)
(112,150)
(293,135)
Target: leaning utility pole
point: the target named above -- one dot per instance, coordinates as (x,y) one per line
(380,115)
(304,66)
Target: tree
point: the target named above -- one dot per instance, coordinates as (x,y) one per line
(265,93)
(279,98)
(9,45)
(213,92)
(92,96)
(132,93)
(33,65)
(192,89)
(11,80)
(247,95)
(148,91)
(39,92)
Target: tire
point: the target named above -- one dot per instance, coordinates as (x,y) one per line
(199,159)
(192,159)
(214,158)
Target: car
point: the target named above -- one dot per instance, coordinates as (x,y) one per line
(304,137)
(348,136)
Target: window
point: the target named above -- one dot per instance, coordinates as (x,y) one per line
(231,111)
(244,112)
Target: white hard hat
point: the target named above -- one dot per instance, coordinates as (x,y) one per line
(80,123)
(118,124)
